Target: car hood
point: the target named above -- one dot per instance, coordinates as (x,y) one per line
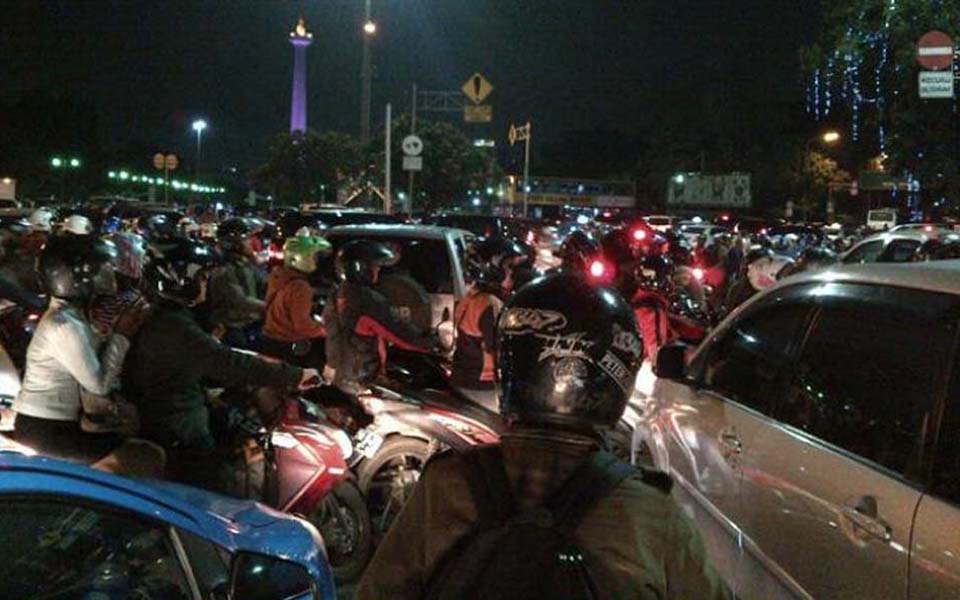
(242,512)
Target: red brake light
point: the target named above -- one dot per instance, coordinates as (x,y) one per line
(275,252)
(598,269)
(928,228)
(698,274)
(639,235)
(763,231)
(725,217)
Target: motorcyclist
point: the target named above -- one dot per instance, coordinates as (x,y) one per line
(568,352)
(475,319)
(131,255)
(577,251)
(63,362)
(290,316)
(172,355)
(237,288)
(360,321)
(651,306)
(41,226)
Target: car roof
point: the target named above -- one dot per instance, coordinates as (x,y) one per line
(231,523)
(896,235)
(935,276)
(394,230)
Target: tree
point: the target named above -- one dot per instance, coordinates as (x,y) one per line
(812,176)
(309,166)
(452,165)
(863,72)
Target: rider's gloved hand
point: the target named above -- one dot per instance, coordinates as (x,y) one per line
(310,379)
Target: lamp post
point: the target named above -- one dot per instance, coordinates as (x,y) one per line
(199,126)
(369,30)
(63,166)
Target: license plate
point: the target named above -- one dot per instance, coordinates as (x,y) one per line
(368,442)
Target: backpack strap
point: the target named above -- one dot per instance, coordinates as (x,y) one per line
(593,479)
(489,485)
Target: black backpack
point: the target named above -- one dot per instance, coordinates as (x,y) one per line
(525,555)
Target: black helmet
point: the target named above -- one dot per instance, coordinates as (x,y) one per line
(157,226)
(817,255)
(577,250)
(232,233)
(487,260)
(655,272)
(568,354)
(176,267)
(356,260)
(68,265)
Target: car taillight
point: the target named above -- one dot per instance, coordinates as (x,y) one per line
(698,274)
(599,269)
(639,235)
(275,252)
(763,231)
(928,228)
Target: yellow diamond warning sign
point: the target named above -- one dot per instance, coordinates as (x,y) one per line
(477,88)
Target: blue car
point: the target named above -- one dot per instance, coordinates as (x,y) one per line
(67,531)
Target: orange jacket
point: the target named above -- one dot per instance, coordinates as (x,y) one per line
(290,308)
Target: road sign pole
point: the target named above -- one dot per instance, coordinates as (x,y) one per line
(413,131)
(526,169)
(386,176)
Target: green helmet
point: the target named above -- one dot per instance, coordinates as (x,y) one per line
(300,252)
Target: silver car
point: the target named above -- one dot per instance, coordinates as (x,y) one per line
(815,435)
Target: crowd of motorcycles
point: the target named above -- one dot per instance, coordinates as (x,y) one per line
(348,463)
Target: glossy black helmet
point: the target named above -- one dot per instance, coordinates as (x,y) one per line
(568,354)
(156,226)
(577,251)
(655,272)
(357,259)
(487,261)
(176,268)
(69,264)
(234,232)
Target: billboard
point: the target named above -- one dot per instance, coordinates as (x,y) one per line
(730,190)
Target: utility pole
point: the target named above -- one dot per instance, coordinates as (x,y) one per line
(413,131)
(387,202)
(369,29)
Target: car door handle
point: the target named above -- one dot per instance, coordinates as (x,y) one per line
(864,516)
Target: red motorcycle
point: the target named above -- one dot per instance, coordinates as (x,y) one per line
(306,473)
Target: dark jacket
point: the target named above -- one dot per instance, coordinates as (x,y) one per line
(637,531)
(365,324)
(473,359)
(169,358)
(235,292)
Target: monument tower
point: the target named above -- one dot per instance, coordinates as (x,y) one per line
(300,38)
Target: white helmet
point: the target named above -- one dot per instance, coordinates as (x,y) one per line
(41,220)
(78,225)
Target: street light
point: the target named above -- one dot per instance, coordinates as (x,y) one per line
(369,30)
(199,125)
(56,162)
(830,137)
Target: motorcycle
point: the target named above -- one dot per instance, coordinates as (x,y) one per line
(305,471)
(399,422)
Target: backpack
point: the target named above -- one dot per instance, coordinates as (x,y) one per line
(526,555)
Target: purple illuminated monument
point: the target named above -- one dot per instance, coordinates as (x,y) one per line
(300,38)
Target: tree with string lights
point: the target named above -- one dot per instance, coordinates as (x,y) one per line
(862,73)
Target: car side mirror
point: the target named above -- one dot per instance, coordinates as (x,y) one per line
(671,361)
(261,577)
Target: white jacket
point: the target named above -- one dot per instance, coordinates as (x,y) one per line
(62,359)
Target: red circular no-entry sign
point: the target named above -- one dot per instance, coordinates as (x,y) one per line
(935,51)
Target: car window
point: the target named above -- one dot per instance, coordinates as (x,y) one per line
(900,251)
(210,563)
(748,363)
(945,481)
(865,253)
(865,381)
(59,550)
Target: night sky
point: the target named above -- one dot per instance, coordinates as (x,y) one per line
(151,67)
